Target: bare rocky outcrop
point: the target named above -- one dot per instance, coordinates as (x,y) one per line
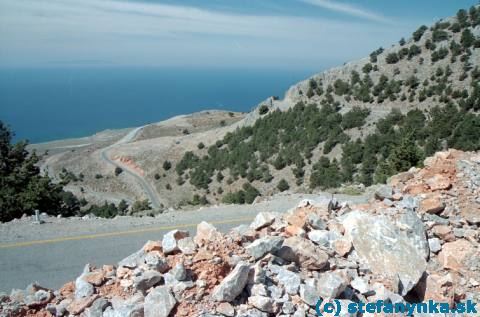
(390,249)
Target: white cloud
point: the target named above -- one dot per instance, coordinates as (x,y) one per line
(347,9)
(136,33)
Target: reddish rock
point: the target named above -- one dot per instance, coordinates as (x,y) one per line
(443,232)
(432,205)
(152,246)
(202,255)
(79,305)
(415,189)
(439,288)
(67,289)
(95,278)
(123,272)
(342,246)
(294,231)
(454,254)
(438,182)
(206,233)
(335,226)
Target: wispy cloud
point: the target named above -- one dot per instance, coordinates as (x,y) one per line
(348,9)
(133,33)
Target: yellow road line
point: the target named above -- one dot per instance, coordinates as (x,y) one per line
(118,233)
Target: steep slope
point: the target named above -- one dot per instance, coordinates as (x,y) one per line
(359,123)
(356,124)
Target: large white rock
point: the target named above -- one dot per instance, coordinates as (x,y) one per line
(386,249)
(159,302)
(233,284)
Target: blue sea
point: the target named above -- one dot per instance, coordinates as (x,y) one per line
(48,104)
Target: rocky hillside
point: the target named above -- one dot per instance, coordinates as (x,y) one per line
(349,127)
(359,123)
(416,240)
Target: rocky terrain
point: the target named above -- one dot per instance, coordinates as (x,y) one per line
(436,66)
(416,239)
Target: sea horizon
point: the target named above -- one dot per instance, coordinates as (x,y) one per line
(53,103)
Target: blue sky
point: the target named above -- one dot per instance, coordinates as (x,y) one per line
(212,33)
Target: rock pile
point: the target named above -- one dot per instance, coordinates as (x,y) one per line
(417,239)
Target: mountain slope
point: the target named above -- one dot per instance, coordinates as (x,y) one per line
(354,124)
(360,122)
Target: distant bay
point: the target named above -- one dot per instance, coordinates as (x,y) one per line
(48,104)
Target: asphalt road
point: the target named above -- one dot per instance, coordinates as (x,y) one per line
(146,187)
(54,262)
(56,252)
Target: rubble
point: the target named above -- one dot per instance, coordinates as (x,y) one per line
(417,239)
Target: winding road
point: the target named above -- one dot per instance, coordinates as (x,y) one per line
(147,188)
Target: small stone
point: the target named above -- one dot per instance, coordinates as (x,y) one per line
(83,288)
(432,205)
(154,262)
(205,233)
(443,232)
(342,246)
(258,289)
(308,293)
(438,182)
(226,309)
(331,284)
(179,272)
(303,252)
(133,260)
(152,246)
(360,285)
(97,308)
(289,280)
(262,246)
(170,239)
(95,278)
(434,245)
(295,231)
(454,254)
(187,246)
(383,192)
(315,222)
(80,304)
(233,284)
(147,280)
(262,303)
(263,219)
(159,302)
(439,288)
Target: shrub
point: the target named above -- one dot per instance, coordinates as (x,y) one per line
(98,176)
(354,118)
(439,35)
(118,171)
(467,39)
(417,35)
(283,185)
(392,58)
(414,51)
(141,205)
(439,54)
(167,165)
(263,110)
(244,196)
(197,200)
(367,68)
(200,145)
